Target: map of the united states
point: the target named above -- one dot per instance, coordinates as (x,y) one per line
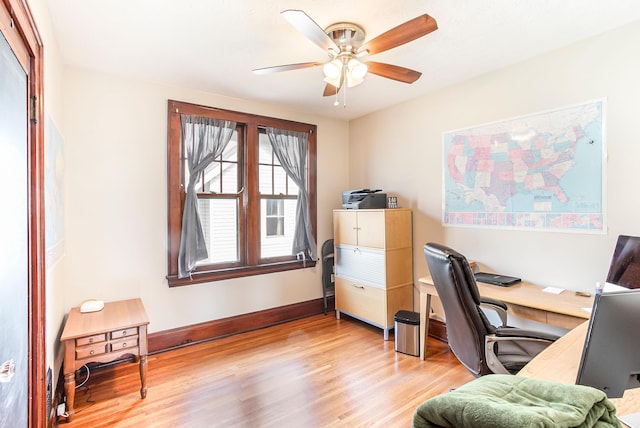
(542,171)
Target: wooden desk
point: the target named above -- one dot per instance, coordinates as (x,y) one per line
(524,300)
(560,361)
(118,330)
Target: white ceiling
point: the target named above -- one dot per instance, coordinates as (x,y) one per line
(212,45)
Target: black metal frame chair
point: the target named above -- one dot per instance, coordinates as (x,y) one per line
(328,284)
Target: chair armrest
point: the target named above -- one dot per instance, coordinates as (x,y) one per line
(496,305)
(493,302)
(520,333)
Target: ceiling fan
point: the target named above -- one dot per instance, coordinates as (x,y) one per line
(343,42)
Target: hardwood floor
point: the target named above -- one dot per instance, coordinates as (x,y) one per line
(313,372)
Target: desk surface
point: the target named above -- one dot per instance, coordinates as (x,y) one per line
(560,361)
(529,295)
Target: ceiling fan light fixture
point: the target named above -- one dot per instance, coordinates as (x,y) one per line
(343,42)
(351,81)
(356,69)
(333,69)
(333,82)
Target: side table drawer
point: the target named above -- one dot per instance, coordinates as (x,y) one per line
(133,331)
(82,341)
(119,345)
(90,350)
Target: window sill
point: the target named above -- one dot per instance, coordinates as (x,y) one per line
(199,277)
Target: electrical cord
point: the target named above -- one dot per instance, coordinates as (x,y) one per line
(87,378)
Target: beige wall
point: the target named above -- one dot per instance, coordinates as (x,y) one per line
(400,150)
(116,204)
(114,133)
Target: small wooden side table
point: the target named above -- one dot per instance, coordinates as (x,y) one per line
(118,330)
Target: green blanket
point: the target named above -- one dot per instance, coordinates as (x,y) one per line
(495,401)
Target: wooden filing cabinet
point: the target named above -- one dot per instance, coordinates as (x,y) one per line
(373,264)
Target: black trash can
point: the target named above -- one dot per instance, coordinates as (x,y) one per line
(407,332)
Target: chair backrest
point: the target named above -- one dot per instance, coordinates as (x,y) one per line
(327,248)
(466,324)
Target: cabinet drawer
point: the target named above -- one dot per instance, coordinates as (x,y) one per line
(91,339)
(133,331)
(90,350)
(361,300)
(362,264)
(129,342)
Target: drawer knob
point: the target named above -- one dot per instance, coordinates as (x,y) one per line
(358,286)
(91,352)
(124,332)
(124,345)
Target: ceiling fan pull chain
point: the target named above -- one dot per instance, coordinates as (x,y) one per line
(344,86)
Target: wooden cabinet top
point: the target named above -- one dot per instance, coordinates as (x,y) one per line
(115,315)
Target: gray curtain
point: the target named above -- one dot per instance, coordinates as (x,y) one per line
(291,148)
(203,140)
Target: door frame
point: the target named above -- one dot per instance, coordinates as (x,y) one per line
(19,28)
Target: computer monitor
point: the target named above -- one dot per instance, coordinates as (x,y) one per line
(624,270)
(611,355)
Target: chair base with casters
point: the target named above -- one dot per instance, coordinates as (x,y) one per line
(480,346)
(328,284)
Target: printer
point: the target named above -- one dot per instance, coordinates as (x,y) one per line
(363,199)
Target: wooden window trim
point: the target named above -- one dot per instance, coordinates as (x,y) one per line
(175,195)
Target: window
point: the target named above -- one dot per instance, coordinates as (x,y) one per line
(275,217)
(245,200)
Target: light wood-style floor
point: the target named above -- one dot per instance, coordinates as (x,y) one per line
(313,372)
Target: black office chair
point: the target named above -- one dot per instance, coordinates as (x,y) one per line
(328,286)
(481,347)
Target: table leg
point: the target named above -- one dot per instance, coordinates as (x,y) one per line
(425,310)
(70,392)
(143,376)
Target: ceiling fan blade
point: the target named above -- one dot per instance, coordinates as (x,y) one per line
(332,90)
(287,67)
(403,33)
(395,72)
(307,26)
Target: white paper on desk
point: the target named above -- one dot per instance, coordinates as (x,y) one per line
(553,290)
